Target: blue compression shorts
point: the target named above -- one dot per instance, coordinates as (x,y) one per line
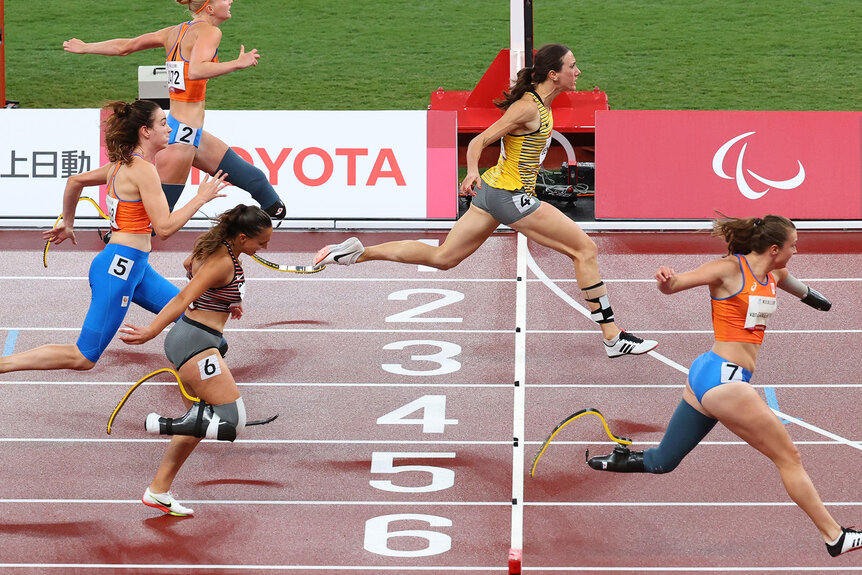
(711,370)
(119,275)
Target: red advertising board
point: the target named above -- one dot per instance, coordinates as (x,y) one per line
(689,164)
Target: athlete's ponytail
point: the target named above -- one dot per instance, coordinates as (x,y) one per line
(746,235)
(548,58)
(241,219)
(123,125)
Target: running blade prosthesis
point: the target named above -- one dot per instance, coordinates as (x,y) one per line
(622,441)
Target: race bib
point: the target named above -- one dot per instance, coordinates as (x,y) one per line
(209,366)
(523,202)
(731,372)
(760,309)
(120,267)
(112,203)
(176,78)
(184,134)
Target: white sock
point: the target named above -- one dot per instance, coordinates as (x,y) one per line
(614,340)
(837,539)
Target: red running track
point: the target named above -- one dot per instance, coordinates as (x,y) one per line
(339,354)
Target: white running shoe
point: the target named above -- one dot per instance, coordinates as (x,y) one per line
(850,540)
(345,253)
(627,344)
(166,502)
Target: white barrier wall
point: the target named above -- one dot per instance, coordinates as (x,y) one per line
(323,164)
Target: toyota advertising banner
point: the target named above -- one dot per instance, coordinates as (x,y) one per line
(324,164)
(690,164)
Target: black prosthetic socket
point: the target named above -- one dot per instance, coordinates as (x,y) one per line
(276,211)
(816,300)
(197,422)
(620,460)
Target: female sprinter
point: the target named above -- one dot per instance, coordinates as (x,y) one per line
(718,388)
(505,194)
(214,293)
(120,274)
(191,49)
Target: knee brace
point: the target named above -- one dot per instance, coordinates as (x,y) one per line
(598,294)
(244,175)
(173,193)
(223,422)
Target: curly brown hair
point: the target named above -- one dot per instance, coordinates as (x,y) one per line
(123,125)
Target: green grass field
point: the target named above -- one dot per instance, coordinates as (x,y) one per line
(338,54)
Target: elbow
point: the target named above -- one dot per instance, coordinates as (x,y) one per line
(195,74)
(124,49)
(163,233)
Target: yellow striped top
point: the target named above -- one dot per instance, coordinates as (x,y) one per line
(521,155)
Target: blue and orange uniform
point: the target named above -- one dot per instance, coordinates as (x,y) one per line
(741,317)
(181,88)
(121,275)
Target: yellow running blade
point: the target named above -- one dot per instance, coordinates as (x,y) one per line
(568,420)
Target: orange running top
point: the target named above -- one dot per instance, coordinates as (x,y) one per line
(128,216)
(743,316)
(180,87)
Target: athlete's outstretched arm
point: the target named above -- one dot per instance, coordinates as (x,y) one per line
(712,273)
(215,271)
(119,46)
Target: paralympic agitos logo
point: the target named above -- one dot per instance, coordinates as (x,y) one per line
(740,174)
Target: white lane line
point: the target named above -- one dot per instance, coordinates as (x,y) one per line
(488,385)
(430,442)
(776,569)
(304,278)
(262,502)
(297,330)
(578,307)
(448,279)
(269,384)
(519,398)
(489,331)
(173,568)
(338,503)
(404,568)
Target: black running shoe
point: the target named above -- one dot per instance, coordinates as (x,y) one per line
(620,460)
